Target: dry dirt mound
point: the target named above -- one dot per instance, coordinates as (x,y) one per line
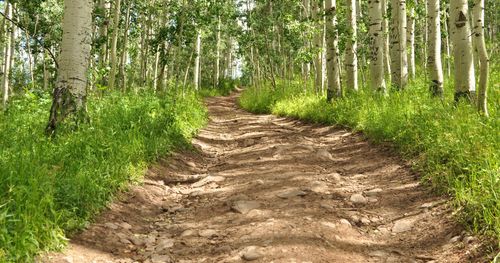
(267,189)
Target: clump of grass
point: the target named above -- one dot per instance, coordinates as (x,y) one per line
(226,86)
(452,145)
(51,187)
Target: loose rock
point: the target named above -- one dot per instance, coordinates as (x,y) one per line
(244,207)
(291,193)
(208,233)
(358,199)
(373,192)
(252,253)
(207,180)
(403,225)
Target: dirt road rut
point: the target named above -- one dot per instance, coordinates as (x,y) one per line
(266,189)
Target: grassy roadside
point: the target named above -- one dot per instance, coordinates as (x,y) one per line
(456,149)
(49,188)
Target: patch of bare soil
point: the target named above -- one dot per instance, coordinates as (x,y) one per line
(267,189)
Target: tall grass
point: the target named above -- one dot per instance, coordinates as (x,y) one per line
(455,148)
(51,187)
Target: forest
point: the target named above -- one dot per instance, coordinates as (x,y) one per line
(192,130)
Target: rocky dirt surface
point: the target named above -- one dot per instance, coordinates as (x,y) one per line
(266,189)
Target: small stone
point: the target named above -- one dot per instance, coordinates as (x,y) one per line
(137,241)
(207,180)
(188,233)
(111,226)
(252,253)
(372,200)
(329,224)
(403,225)
(323,154)
(318,187)
(244,207)
(160,259)
(248,142)
(126,226)
(427,205)
(291,193)
(260,182)
(164,244)
(455,239)
(345,222)
(358,199)
(335,177)
(208,233)
(326,206)
(68,259)
(365,221)
(373,192)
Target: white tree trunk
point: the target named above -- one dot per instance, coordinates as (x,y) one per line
(197,64)
(103,32)
(123,63)
(434,64)
(332,52)
(385,28)
(399,63)
(411,42)
(218,47)
(114,43)
(484,61)
(71,86)
(351,57)
(318,54)
(376,39)
(7,54)
(465,85)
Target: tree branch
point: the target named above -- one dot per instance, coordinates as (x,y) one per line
(37,40)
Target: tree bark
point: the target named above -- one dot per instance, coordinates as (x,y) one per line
(376,39)
(123,63)
(465,85)
(434,64)
(71,87)
(411,41)
(197,64)
(399,63)
(351,57)
(114,42)
(334,88)
(479,42)
(385,28)
(7,54)
(318,57)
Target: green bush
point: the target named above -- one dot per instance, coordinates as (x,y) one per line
(452,145)
(51,187)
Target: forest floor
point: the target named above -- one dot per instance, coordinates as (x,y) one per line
(270,189)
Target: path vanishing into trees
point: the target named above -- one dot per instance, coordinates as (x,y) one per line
(272,189)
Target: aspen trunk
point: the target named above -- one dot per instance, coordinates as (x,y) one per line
(385,28)
(217,59)
(411,42)
(103,32)
(351,57)
(318,57)
(399,63)
(71,86)
(480,44)
(465,85)
(114,43)
(434,65)
(376,39)
(123,63)
(197,64)
(332,52)
(7,54)
(447,45)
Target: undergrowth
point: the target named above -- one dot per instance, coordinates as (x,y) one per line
(52,187)
(455,148)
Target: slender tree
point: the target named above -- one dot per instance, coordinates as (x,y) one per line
(435,67)
(7,53)
(465,84)
(197,63)
(479,42)
(71,87)
(399,57)
(376,38)
(332,52)
(114,43)
(351,57)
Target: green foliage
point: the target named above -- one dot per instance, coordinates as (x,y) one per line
(226,86)
(452,145)
(50,187)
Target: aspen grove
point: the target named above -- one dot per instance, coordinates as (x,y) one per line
(96,91)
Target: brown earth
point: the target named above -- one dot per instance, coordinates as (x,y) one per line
(271,189)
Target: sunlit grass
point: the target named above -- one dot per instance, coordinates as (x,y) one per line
(51,187)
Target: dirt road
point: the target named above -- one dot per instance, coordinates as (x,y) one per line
(266,189)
